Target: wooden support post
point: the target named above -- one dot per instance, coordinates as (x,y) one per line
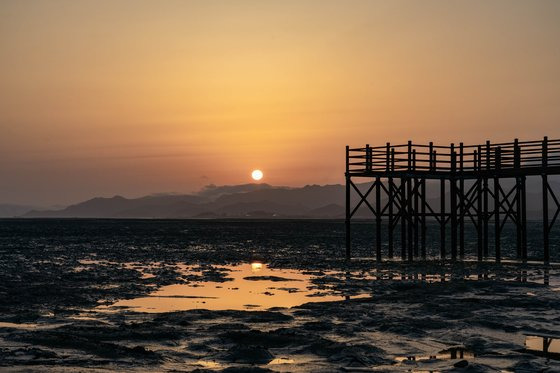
(479,212)
(524,218)
(518,223)
(486,217)
(348,248)
(486,210)
(462,201)
(393,196)
(546,230)
(453,203)
(403,218)
(442,217)
(408,205)
(416,209)
(415,189)
(391,202)
(423,212)
(480,222)
(497,220)
(410,215)
(378,218)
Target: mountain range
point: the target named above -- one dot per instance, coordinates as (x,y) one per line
(255,201)
(230,201)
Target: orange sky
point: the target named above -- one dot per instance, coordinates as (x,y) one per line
(135,97)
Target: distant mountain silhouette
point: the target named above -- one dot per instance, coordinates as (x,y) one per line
(8,210)
(230,201)
(246,201)
(213,191)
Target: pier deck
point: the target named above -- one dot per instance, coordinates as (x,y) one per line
(471,190)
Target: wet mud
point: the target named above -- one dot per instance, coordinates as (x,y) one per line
(59,309)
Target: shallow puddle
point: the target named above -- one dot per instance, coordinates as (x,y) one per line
(29,326)
(255,286)
(247,287)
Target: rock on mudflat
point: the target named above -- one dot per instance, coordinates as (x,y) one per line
(461,364)
(248,355)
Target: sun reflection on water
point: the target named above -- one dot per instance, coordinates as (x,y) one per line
(252,286)
(256,266)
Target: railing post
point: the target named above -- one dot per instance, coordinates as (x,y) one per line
(409,155)
(431,151)
(388,157)
(488,156)
(516,155)
(368,158)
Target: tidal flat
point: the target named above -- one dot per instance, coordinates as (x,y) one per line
(102,295)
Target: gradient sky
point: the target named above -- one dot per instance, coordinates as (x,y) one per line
(134,97)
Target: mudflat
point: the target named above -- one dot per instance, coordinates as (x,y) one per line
(171,296)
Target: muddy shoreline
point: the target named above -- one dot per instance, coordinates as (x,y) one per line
(417,316)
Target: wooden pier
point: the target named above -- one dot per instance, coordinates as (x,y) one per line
(470,179)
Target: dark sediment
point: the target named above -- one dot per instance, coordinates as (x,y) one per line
(45,280)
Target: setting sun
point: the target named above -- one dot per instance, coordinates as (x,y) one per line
(257,175)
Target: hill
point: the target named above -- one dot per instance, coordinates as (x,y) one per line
(246,201)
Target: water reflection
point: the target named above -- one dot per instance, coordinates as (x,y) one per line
(281,360)
(30,326)
(538,276)
(458,352)
(543,345)
(251,286)
(255,286)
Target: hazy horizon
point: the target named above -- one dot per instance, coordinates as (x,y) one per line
(140,97)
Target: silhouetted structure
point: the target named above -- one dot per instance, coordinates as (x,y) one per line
(400,173)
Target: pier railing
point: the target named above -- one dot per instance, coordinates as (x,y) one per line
(528,157)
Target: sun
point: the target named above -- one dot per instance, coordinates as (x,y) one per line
(257,175)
